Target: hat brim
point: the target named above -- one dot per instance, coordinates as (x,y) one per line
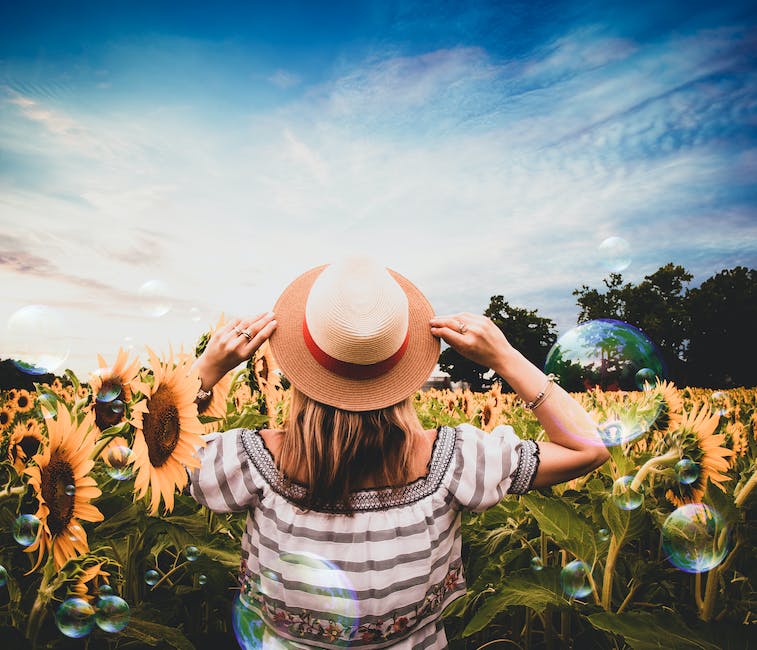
(309,377)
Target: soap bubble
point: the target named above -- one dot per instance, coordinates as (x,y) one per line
(618,431)
(695,538)
(645,378)
(70,490)
(75,532)
(202,579)
(155,300)
(191,553)
(75,618)
(574,579)
(719,402)
(603,353)
(110,389)
(48,405)
(3,576)
(536,563)
(625,497)
(249,628)
(36,339)
(195,314)
(152,577)
(603,534)
(25,529)
(113,613)
(118,462)
(687,471)
(615,253)
(105,590)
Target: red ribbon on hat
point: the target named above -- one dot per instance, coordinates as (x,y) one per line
(352,370)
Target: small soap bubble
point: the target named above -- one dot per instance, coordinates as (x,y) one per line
(574,579)
(36,339)
(202,579)
(645,378)
(154,296)
(719,402)
(603,353)
(105,590)
(615,254)
(113,613)
(117,407)
(191,553)
(195,314)
(48,405)
(75,618)
(687,471)
(129,342)
(75,533)
(110,389)
(603,534)
(536,563)
(25,529)
(70,490)
(695,538)
(625,497)
(3,576)
(152,577)
(118,462)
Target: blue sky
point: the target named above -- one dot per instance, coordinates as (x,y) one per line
(478,148)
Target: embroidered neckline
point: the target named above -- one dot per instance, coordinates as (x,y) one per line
(367,499)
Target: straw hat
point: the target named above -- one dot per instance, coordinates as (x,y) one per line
(354,335)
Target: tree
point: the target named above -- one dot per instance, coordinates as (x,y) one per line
(529,333)
(657,306)
(723,313)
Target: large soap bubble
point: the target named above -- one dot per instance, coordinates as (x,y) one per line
(575,579)
(695,538)
(75,618)
(36,339)
(615,253)
(604,353)
(321,586)
(155,298)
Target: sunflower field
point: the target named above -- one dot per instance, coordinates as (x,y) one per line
(100,546)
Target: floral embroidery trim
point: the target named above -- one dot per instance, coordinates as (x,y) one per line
(528,463)
(301,624)
(361,500)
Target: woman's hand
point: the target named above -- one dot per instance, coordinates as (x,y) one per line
(481,340)
(232,344)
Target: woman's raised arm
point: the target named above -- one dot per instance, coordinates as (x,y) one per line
(575,447)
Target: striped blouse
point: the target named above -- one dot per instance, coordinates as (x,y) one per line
(377,578)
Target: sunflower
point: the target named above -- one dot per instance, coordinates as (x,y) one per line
(11,395)
(167,431)
(112,386)
(7,413)
(24,442)
(63,488)
(89,581)
(24,401)
(667,406)
(268,380)
(697,440)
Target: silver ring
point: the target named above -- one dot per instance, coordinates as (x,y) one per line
(247,333)
(461,327)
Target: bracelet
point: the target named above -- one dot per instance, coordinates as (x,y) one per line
(543,395)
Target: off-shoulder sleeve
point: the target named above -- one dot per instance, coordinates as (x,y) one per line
(486,466)
(226,480)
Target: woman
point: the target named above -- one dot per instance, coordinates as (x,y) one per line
(353,531)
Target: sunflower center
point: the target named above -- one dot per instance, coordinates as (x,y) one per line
(22,402)
(161,427)
(29,445)
(55,478)
(108,414)
(4,418)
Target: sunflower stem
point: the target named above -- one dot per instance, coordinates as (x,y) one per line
(166,575)
(744,491)
(698,590)
(607,578)
(710,591)
(39,608)
(670,457)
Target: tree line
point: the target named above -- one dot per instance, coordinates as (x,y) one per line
(706,334)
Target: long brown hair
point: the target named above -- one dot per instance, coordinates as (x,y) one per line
(331,451)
